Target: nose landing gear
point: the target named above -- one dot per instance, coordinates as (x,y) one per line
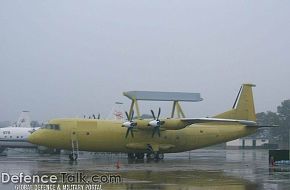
(73,156)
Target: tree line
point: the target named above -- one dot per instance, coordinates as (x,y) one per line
(279,134)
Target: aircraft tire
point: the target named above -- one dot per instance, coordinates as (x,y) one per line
(131,156)
(139,156)
(150,156)
(160,156)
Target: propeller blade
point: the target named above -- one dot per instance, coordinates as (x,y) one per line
(153,114)
(94,116)
(153,133)
(132,133)
(127,115)
(159,111)
(99,116)
(158,131)
(128,130)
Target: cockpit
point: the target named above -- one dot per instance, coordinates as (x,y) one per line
(51,126)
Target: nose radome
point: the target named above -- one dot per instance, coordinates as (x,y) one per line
(34,138)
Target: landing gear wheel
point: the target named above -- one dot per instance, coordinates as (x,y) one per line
(160,156)
(73,156)
(131,156)
(139,156)
(150,156)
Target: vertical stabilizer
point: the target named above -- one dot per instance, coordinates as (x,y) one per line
(243,108)
(24,120)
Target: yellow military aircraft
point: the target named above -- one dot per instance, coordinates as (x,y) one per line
(152,137)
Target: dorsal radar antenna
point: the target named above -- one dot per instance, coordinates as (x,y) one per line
(174,97)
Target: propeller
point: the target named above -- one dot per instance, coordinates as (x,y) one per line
(156,123)
(130,124)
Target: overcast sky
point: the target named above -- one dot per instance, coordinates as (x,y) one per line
(69,58)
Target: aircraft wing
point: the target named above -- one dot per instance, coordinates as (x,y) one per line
(248,123)
(268,126)
(208,120)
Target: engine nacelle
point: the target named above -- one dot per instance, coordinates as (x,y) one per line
(169,124)
(173,124)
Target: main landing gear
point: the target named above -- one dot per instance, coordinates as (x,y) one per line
(150,156)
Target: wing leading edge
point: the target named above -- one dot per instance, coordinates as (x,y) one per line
(247,123)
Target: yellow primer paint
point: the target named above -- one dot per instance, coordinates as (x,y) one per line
(109,136)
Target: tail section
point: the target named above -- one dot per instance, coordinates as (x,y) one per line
(24,120)
(243,108)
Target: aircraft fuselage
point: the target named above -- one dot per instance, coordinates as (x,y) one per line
(109,136)
(15,137)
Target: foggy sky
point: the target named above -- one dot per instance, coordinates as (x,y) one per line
(69,58)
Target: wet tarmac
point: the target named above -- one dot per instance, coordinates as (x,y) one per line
(199,169)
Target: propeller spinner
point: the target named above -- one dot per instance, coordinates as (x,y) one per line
(156,123)
(130,124)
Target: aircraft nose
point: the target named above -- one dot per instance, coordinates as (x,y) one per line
(35,138)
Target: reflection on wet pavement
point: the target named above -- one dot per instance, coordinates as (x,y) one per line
(200,169)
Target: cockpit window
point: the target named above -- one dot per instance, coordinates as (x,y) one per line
(51,126)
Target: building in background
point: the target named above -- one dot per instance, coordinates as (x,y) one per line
(249,143)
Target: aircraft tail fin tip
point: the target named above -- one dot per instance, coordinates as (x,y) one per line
(243,108)
(24,120)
